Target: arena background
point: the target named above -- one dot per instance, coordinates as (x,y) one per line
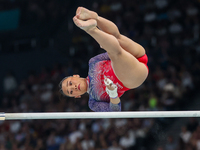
(39,45)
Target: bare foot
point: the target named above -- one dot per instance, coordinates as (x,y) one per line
(85,14)
(85,25)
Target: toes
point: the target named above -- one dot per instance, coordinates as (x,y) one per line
(76,21)
(85,25)
(78,11)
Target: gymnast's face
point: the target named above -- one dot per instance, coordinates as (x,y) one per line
(74,86)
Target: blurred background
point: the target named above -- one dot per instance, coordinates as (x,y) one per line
(39,45)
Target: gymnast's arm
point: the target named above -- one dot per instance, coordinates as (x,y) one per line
(100,57)
(98,106)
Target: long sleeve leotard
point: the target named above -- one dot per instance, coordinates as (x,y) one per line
(100,66)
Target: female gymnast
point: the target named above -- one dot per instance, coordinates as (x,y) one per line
(121,68)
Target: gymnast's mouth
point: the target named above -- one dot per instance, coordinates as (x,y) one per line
(79,87)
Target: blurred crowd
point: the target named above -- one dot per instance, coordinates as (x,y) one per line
(38,11)
(167,29)
(189,138)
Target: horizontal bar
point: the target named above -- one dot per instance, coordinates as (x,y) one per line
(98,115)
(2,116)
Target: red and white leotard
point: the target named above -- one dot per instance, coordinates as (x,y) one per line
(100,66)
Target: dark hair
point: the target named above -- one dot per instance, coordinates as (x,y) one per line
(60,86)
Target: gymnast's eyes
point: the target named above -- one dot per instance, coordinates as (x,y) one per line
(71,92)
(70,83)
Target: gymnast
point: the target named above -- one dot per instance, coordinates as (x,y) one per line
(121,68)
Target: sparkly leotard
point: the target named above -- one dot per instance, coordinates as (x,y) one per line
(99,100)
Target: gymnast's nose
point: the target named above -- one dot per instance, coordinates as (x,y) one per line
(75,87)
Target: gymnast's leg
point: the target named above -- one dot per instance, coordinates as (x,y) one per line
(127,68)
(109,27)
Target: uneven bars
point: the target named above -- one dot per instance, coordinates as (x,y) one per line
(99,115)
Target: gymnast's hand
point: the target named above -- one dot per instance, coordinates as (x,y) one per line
(111,88)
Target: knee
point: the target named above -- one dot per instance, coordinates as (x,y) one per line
(115,55)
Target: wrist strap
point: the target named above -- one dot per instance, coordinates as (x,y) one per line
(112,93)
